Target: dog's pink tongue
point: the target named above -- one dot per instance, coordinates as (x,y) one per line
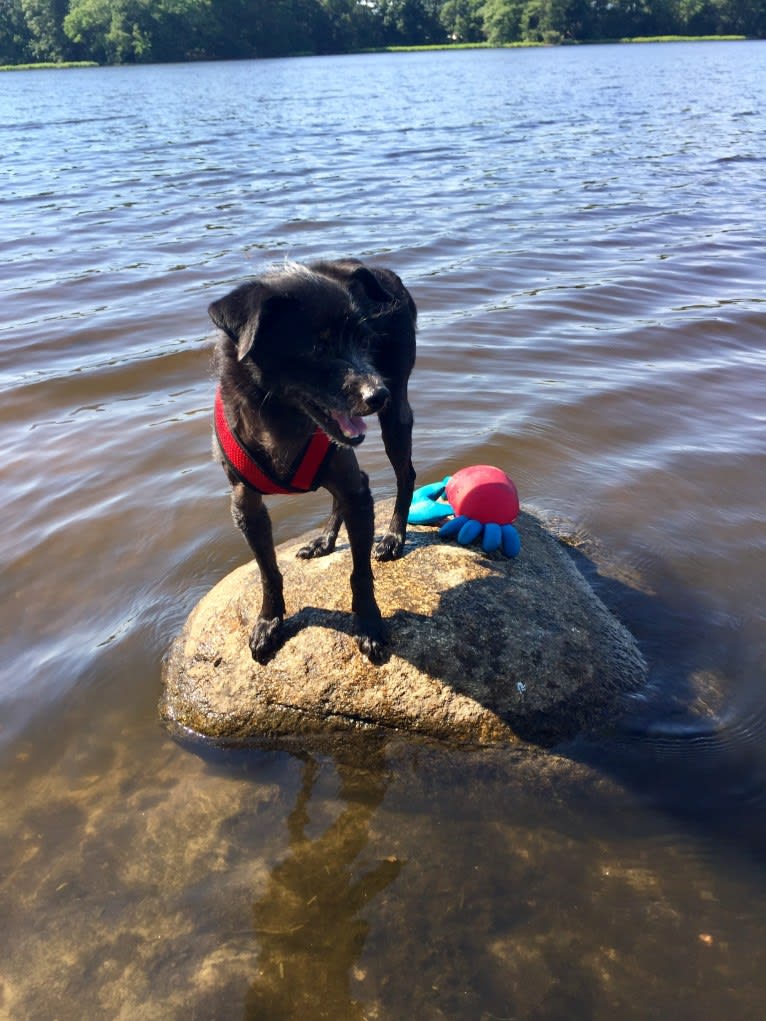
(350,425)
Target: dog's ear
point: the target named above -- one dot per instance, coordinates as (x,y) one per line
(243,313)
(372,287)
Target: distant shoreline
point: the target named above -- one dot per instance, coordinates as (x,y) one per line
(66,65)
(49,66)
(564,42)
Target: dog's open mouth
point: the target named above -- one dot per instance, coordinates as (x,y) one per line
(353,427)
(344,428)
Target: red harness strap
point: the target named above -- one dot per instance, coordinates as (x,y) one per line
(250,472)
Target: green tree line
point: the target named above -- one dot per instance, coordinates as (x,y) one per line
(129,31)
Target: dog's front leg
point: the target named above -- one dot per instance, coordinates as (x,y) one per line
(357,509)
(252,518)
(324,543)
(396,429)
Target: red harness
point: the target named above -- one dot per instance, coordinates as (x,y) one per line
(246,468)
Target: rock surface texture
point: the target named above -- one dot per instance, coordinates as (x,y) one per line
(482,649)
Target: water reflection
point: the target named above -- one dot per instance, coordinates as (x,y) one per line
(309,922)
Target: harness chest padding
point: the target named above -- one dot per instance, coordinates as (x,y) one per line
(243,463)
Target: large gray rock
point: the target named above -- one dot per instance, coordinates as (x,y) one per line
(483,649)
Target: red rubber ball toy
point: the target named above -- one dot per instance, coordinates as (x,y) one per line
(485,494)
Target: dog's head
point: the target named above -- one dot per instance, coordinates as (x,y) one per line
(305,337)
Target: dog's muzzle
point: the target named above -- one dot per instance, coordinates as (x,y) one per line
(373,398)
(366,395)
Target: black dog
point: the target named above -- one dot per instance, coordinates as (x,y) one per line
(307,352)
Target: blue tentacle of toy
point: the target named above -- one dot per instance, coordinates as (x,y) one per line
(427,508)
(511,541)
(471,530)
(492,538)
(450,528)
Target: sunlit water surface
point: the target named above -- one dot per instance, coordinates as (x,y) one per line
(582,230)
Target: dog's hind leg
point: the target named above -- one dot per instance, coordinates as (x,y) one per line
(325,542)
(396,427)
(252,518)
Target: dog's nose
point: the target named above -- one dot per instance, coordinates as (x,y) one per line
(375,397)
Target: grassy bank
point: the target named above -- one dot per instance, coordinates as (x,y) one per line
(48,67)
(684,39)
(562,42)
(453,46)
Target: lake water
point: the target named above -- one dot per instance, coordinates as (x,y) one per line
(583,231)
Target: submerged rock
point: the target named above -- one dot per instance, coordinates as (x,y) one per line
(482,649)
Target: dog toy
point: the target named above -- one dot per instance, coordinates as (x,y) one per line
(479,502)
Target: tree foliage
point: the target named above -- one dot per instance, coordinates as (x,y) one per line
(122,31)
(463,20)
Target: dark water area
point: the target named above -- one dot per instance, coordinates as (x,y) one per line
(583,231)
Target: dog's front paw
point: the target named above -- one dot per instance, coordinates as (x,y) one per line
(376,651)
(266,639)
(390,547)
(319,547)
(371,639)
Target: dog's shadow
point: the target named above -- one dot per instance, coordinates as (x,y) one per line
(335,620)
(318,616)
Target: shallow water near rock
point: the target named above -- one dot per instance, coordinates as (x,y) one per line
(583,240)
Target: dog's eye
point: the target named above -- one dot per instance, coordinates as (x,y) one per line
(364,339)
(322,343)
